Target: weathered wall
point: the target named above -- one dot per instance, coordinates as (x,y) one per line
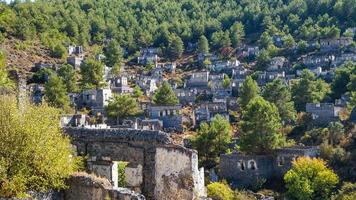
(153,160)
(82,186)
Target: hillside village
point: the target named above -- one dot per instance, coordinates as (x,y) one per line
(215,117)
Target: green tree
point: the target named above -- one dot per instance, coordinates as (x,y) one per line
(114,56)
(165,95)
(260,127)
(34,153)
(265,40)
(280,95)
(92,73)
(347,192)
(203,45)
(121,107)
(55,92)
(309,178)
(248,91)
(175,47)
(288,41)
(59,51)
(342,78)
(137,92)
(69,76)
(220,191)
(226,81)
(308,90)
(263,59)
(237,34)
(212,140)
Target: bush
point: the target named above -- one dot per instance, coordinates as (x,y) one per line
(34,154)
(58,51)
(220,191)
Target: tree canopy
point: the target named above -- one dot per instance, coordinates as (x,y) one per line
(280,95)
(121,107)
(165,95)
(308,89)
(34,154)
(310,178)
(260,127)
(212,140)
(248,91)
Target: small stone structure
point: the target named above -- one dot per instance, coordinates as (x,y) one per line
(170,116)
(156,168)
(84,186)
(322,113)
(246,170)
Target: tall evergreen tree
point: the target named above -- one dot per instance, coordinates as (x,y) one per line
(121,107)
(165,95)
(69,76)
(260,127)
(248,91)
(203,45)
(280,95)
(237,34)
(308,90)
(56,93)
(92,73)
(175,47)
(114,56)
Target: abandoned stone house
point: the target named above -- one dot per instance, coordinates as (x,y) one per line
(119,85)
(94,99)
(198,80)
(278,64)
(148,84)
(170,116)
(156,167)
(318,71)
(75,61)
(149,56)
(76,120)
(245,170)
(186,96)
(323,113)
(266,77)
(342,58)
(317,60)
(223,66)
(206,111)
(334,43)
(236,84)
(75,50)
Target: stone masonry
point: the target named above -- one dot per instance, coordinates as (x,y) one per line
(156,168)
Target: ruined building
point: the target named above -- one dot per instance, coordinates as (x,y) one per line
(245,170)
(156,167)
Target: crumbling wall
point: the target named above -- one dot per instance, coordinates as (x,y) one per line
(82,186)
(156,167)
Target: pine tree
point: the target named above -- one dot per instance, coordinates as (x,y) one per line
(280,95)
(175,47)
(121,107)
(56,92)
(69,76)
(92,73)
(203,45)
(248,91)
(165,95)
(260,127)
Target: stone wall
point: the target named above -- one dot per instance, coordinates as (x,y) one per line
(244,170)
(152,160)
(82,186)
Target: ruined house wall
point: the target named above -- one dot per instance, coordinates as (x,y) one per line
(177,174)
(153,159)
